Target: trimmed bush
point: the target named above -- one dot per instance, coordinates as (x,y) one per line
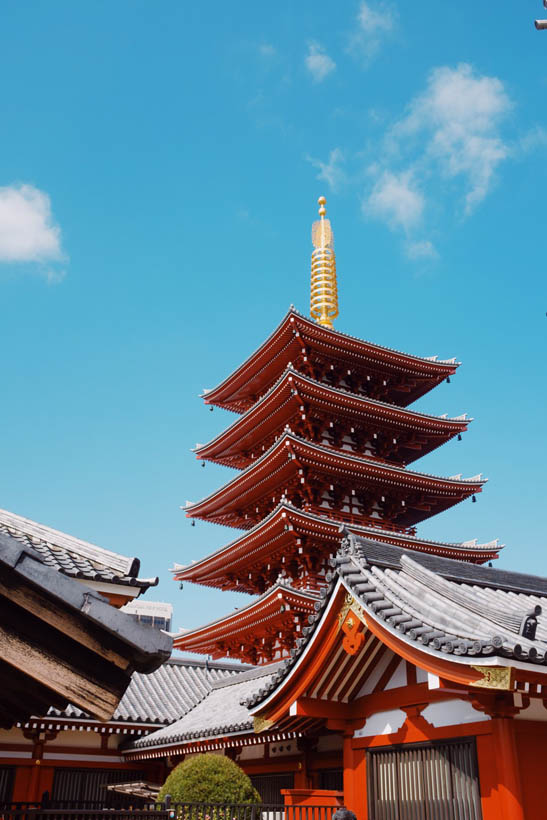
(209,779)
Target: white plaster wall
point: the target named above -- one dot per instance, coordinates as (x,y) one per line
(421,675)
(83,740)
(398,678)
(452,713)
(535,711)
(382,723)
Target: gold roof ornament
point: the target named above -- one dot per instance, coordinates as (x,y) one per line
(324,289)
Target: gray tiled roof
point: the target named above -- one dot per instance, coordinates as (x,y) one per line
(452,607)
(220,712)
(72,556)
(166,694)
(86,611)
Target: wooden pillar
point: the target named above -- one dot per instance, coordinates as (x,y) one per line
(34,792)
(509,787)
(21,784)
(349,773)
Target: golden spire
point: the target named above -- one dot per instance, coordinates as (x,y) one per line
(324,291)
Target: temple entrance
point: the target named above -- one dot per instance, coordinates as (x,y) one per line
(430,781)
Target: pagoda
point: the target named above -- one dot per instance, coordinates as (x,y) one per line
(323,439)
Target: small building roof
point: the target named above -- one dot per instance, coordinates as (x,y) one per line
(73,557)
(166,694)
(221,712)
(443,614)
(61,642)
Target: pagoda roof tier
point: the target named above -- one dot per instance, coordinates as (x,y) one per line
(277,541)
(323,413)
(336,357)
(260,632)
(341,485)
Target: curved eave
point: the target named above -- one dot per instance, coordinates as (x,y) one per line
(271,412)
(263,610)
(257,543)
(314,651)
(226,393)
(289,451)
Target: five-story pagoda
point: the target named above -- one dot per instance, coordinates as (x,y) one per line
(323,438)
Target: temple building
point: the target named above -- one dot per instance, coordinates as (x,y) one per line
(324,438)
(403,677)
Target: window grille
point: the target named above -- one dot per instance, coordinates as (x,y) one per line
(88,785)
(435,781)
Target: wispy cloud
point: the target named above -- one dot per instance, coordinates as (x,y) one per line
(421,249)
(318,62)
(459,116)
(373,24)
(397,200)
(533,139)
(332,172)
(267,50)
(28,231)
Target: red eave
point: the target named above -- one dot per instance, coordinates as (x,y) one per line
(293,393)
(257,618)
(243,386)
(266,479)
(277,533)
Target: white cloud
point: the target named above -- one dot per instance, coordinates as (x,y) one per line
(318,62)
(535,138)
(460,113)
(28,232)
(267,50)
(396,199)
(332,172)
(374,22)
(423,249)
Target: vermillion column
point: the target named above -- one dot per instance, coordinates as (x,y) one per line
(508,769)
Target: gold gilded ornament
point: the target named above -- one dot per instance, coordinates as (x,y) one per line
(260,724)
(493,677)
(324,288)
(350,604)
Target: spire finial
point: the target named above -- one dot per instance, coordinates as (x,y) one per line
(324,291)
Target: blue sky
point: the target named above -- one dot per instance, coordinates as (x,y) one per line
(159,173)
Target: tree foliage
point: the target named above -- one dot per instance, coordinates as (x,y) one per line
(209,778)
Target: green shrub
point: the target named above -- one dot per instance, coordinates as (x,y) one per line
(209,779)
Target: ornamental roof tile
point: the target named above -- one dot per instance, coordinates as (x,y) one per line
(73,557)
(221,712)
(442,606)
